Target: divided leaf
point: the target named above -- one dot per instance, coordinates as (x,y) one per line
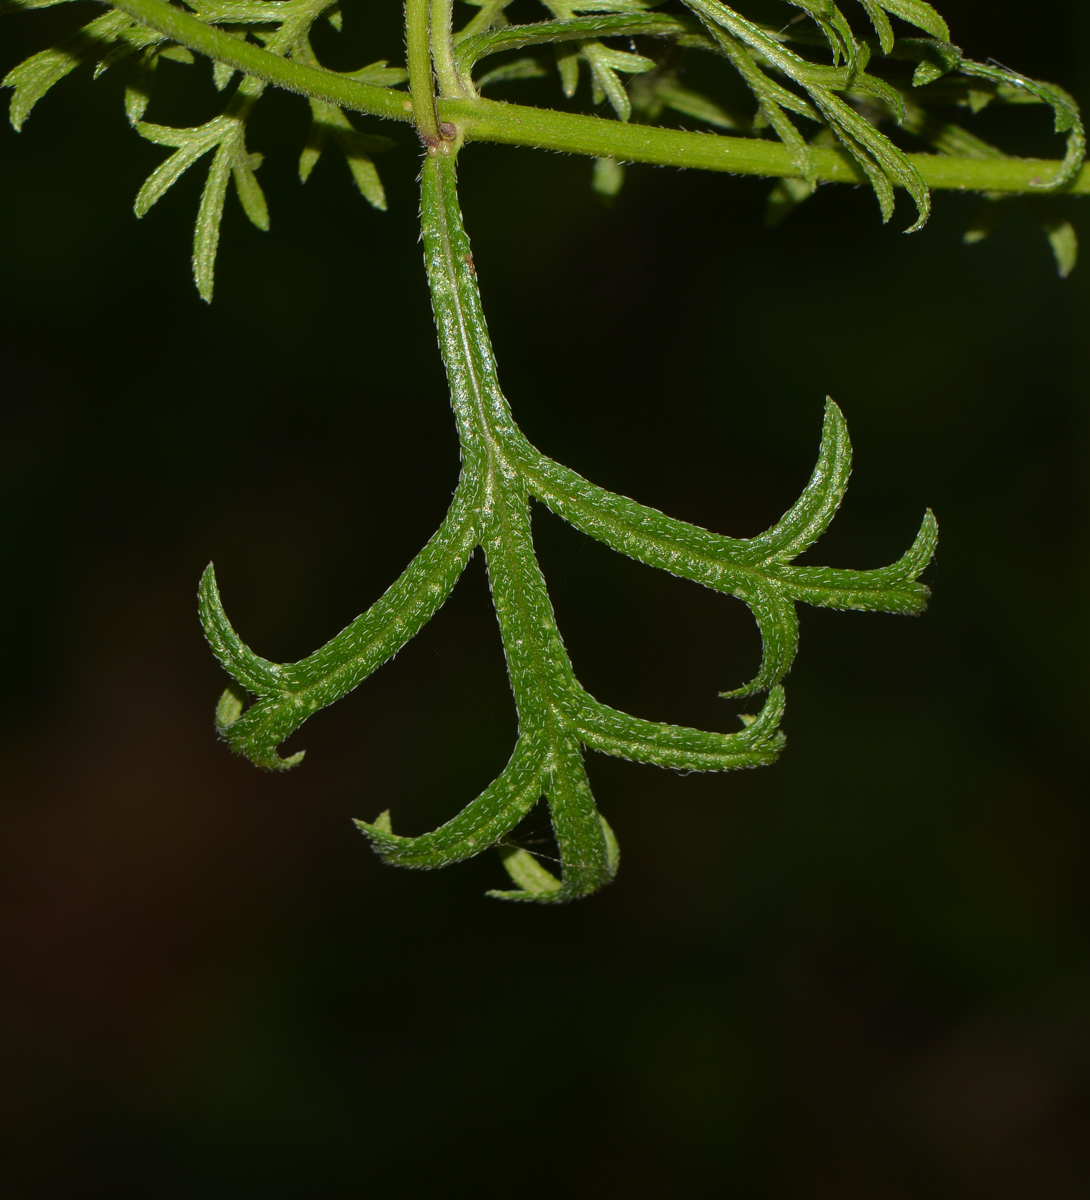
(33,77)
(755,570)
(604,64)
(287,695)
(603,61)
(747,45)
(328,120)
(518,68)
(654,91)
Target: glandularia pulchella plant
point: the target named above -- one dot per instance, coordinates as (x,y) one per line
(825,95)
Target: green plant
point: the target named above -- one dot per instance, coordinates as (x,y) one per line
(847,104)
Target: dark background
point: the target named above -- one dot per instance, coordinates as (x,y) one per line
(862,973)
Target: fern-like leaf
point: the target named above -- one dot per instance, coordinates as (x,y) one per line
(557,717)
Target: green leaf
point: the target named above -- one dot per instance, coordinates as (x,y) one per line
(608,177)
(138,85)
(328,120)
(249,191)
(8,7)
(567,64)
(378,74)
(206,234)
(356,146)
(604,64)
(178,54)
(519,68)
(755,570)
(1064,242)
(984,222)
(837,31)
(288,695)
(811,514)
(526,873)
(881,24)
(785,197)
(191,145)
(941,59)
(317,136)
(750,47)
(557,717)
(917,13)
(1067,118)
(700,108)
(586,861)
(882,161)
(33,77)
(495,812)
(622,735)
(222,74)
(1060,233)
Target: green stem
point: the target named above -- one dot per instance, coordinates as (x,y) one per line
(518,125)
(446,70)
(284,42)
(418,61)
(316,82)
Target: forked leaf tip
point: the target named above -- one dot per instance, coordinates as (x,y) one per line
(380,830)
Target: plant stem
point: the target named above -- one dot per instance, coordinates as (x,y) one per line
(451,84)
(518,125)
(418,61)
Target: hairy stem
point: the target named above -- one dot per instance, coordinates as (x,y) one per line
(518,125)
(450,80)
(418,61)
